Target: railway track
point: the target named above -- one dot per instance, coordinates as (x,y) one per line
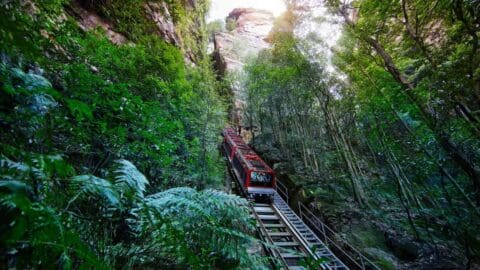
(289,241)
(288,238)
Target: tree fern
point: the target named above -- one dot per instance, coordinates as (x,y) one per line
(92,185)
(179,227)
(37,234)
(9,167)
(202,228)
(130,180)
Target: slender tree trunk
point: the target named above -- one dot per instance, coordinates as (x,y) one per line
(343,149)
(426,151)
(457,155)
(414,34)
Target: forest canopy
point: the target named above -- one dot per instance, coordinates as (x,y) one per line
(95,135)
(391,134)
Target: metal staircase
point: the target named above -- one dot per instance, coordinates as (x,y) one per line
(314,243)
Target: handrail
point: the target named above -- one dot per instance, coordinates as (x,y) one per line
(328,233)
(282,190)
(328,236)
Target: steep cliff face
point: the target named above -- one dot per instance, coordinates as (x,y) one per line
(88,20)
(234,48)
(247,38)
(179,23)
(160,15)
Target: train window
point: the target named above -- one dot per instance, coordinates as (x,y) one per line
(261,179)
(229,149)
(239,168)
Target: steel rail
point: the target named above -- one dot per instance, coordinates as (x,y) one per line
(283,242)
(355,257)
(362,262)
(298,235)
(264,235)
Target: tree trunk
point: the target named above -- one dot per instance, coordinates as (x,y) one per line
(457,155)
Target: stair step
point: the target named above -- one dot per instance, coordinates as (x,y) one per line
(268,217)
(279,234)
(286,244)
(296,268)
(292,255)
(263,209)
(261,205)
(274,225)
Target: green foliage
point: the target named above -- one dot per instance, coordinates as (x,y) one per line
(130,180)
(399,118)
(180,226)
(230,24)
(130,18)
(21,24)
(217,237)
(79,110)
(36,234)
(215,26)
(89,185)
(71,103)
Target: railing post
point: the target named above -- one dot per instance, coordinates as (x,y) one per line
(286,195)
(323,232)
(300,210)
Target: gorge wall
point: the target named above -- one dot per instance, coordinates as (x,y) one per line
(232,49)
(179,23)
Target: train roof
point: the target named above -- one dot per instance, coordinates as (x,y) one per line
(248,156)
(229,131)
(234,139)
(254,162)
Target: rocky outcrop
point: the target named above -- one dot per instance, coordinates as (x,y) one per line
(88,20)
(252,27)
(232,49)
(159,14)
(167,27)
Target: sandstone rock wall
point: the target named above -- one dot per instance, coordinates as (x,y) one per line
(88,20)
(175,31)
(232,49)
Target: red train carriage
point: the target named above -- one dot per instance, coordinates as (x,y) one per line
(256,178)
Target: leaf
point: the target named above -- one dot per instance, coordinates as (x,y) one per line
(93,185)
(79,110)
(129,179)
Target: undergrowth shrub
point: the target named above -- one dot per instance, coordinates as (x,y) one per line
(71,105)
(179,227)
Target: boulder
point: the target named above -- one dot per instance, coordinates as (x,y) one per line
(41,103)
(30,81)
(382,258)
(403,247)
(263,145)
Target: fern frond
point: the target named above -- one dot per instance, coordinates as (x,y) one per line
(201,225)
(129,179)
(39,232)
(7,165)
(92,185)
